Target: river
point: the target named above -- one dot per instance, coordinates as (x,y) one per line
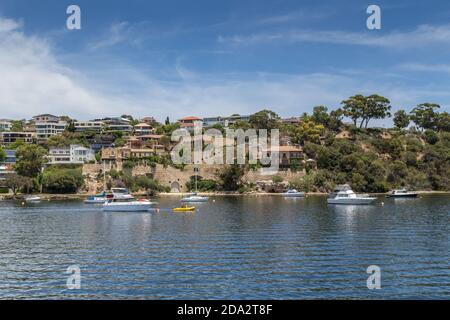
(237,247)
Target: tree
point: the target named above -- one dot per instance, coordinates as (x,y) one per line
(401,119)
(30,160)
(444,122)
(167,122)
(17,125)
(320,115)
(307,131)
(424,116)
(366,108)
(59,180)
(2,155)
(354,107)
(16,182)
(264,119)
(230,177)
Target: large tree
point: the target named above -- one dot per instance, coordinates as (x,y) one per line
(401,119)
(424,115)
(30,160)
(16,182)
(366,108)
(264,119)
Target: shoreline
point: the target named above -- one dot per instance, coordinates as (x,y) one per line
(82,196)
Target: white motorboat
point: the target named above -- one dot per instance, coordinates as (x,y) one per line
(32,199)
(402,193)
(344,195)
(126,204)
(293,193)
(194,198)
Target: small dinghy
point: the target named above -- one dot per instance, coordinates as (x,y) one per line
(293,193)
(32,199)
(182,209)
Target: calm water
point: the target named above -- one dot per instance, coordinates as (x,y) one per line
(233,248)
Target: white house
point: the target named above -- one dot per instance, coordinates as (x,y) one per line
(75,154)
(45,130)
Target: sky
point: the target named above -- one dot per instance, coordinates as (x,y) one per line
(210,58)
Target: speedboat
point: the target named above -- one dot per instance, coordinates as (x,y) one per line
(194,198)
(344,195)
(32,199)
(402,193)
(293,193)
(98,198)
(127,204)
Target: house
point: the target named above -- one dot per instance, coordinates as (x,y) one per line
(224,121)
(116,124)
(5,169)
(73,154)
(113,155)
(45,130)
(11,137)
(143,128)
(149,120)
(10,158)
(90,125)
(291,120)
(5,125)
(288,154)
(188,123)
(45,118)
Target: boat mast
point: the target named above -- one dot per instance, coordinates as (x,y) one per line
(104,176)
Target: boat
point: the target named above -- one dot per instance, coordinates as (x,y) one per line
(185,208)
(120,193)
(32,199)
(194,198)
(127,204)
(343,194)
(402,193)
(98,198)
(293,193)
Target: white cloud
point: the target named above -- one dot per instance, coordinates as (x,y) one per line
(421,36)
(34,81)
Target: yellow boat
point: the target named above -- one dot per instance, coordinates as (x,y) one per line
(186,208)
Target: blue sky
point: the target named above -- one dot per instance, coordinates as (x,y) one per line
(206,58)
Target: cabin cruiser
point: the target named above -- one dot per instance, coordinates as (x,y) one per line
(194,198)
(402,193)
(127,204)
(343,194)
(32,199)
(98,198)
(293,193)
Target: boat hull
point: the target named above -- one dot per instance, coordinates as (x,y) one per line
(135,207)
(410,195)
(351,201)
(194,200)
(95,201)
(291,195)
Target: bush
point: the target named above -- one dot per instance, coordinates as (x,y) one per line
(56,180)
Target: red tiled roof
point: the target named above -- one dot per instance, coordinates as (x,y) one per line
(190,119)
